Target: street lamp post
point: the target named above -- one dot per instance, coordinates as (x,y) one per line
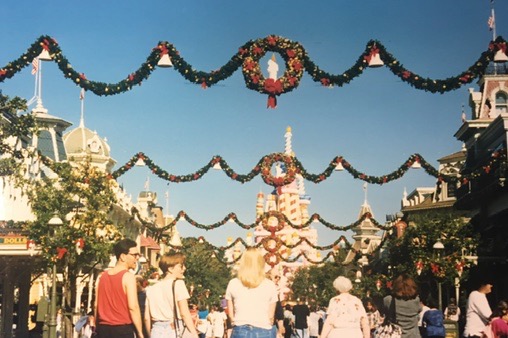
(438,248)
(53,222)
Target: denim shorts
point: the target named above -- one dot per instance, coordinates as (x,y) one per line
(162,330)
(249,331)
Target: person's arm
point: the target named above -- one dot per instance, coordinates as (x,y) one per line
(148,317)
(364,324)
(281,330)
(96,297)
(132,301)
(483,308)
(183,307)
(271,312)
(327,326)
(231,312)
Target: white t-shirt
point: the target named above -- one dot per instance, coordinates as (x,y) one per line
(160,298)
(251,305)
(477,314)
(217,319)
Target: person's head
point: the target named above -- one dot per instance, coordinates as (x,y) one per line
(501,310)
(404,287)
(452,302)
(274,275)
(126,252)
(369,305)
(342,284)
(432,302)
(173,264)
(251,269)
(485,285)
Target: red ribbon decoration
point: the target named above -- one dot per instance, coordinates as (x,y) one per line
(272,102)
(163,50)
(61,252)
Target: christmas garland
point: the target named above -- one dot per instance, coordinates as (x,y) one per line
(293,167)
(247,57)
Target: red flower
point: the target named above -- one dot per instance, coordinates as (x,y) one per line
(203,84)
(131,77)
(242,51)
(291,53)
(234,176)
(249,65)
(273,86)
(257,50)
(325,82)
(406,74)
(255,79)
(163,50)
(82,76)
(272,40)
(465,78)
(297,66)
(292,80)
(196,176)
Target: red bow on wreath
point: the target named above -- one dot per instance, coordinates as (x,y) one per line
(274,87)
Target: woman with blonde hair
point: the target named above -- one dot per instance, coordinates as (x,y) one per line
(251,298)
(168,294)
(345,316)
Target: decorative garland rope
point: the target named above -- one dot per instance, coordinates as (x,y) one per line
(248,56)
(293,166)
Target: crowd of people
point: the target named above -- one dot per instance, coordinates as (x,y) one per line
(252,308)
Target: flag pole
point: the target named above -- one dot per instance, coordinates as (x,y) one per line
(82,99)
(494,35)
(36,77)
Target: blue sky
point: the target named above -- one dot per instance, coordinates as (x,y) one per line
(376,122)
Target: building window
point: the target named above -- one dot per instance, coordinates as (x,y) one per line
(501,103)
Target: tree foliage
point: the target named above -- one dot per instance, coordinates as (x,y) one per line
(205,274)
(315,283)
(414,252)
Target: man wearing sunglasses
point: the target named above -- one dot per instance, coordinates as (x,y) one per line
(116,300)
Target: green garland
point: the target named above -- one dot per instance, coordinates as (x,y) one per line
(247,57)
(293,165)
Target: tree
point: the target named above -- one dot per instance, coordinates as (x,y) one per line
(14,131)
(315,283)
(206,275)
(414,252)
(81,197)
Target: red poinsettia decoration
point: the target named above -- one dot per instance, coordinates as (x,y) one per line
(60,252)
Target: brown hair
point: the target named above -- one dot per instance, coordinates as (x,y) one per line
(169,260)
(404,287)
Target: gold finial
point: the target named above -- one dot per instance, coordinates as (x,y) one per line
(273,57)
(288,129)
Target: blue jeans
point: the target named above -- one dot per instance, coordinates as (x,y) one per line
(162,330)
(249,331)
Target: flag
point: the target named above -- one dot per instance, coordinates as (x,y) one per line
(82,94)
(35,65)
(492,21)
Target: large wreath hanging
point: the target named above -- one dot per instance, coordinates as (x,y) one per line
(281,222)
(290,51)
(266,169)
